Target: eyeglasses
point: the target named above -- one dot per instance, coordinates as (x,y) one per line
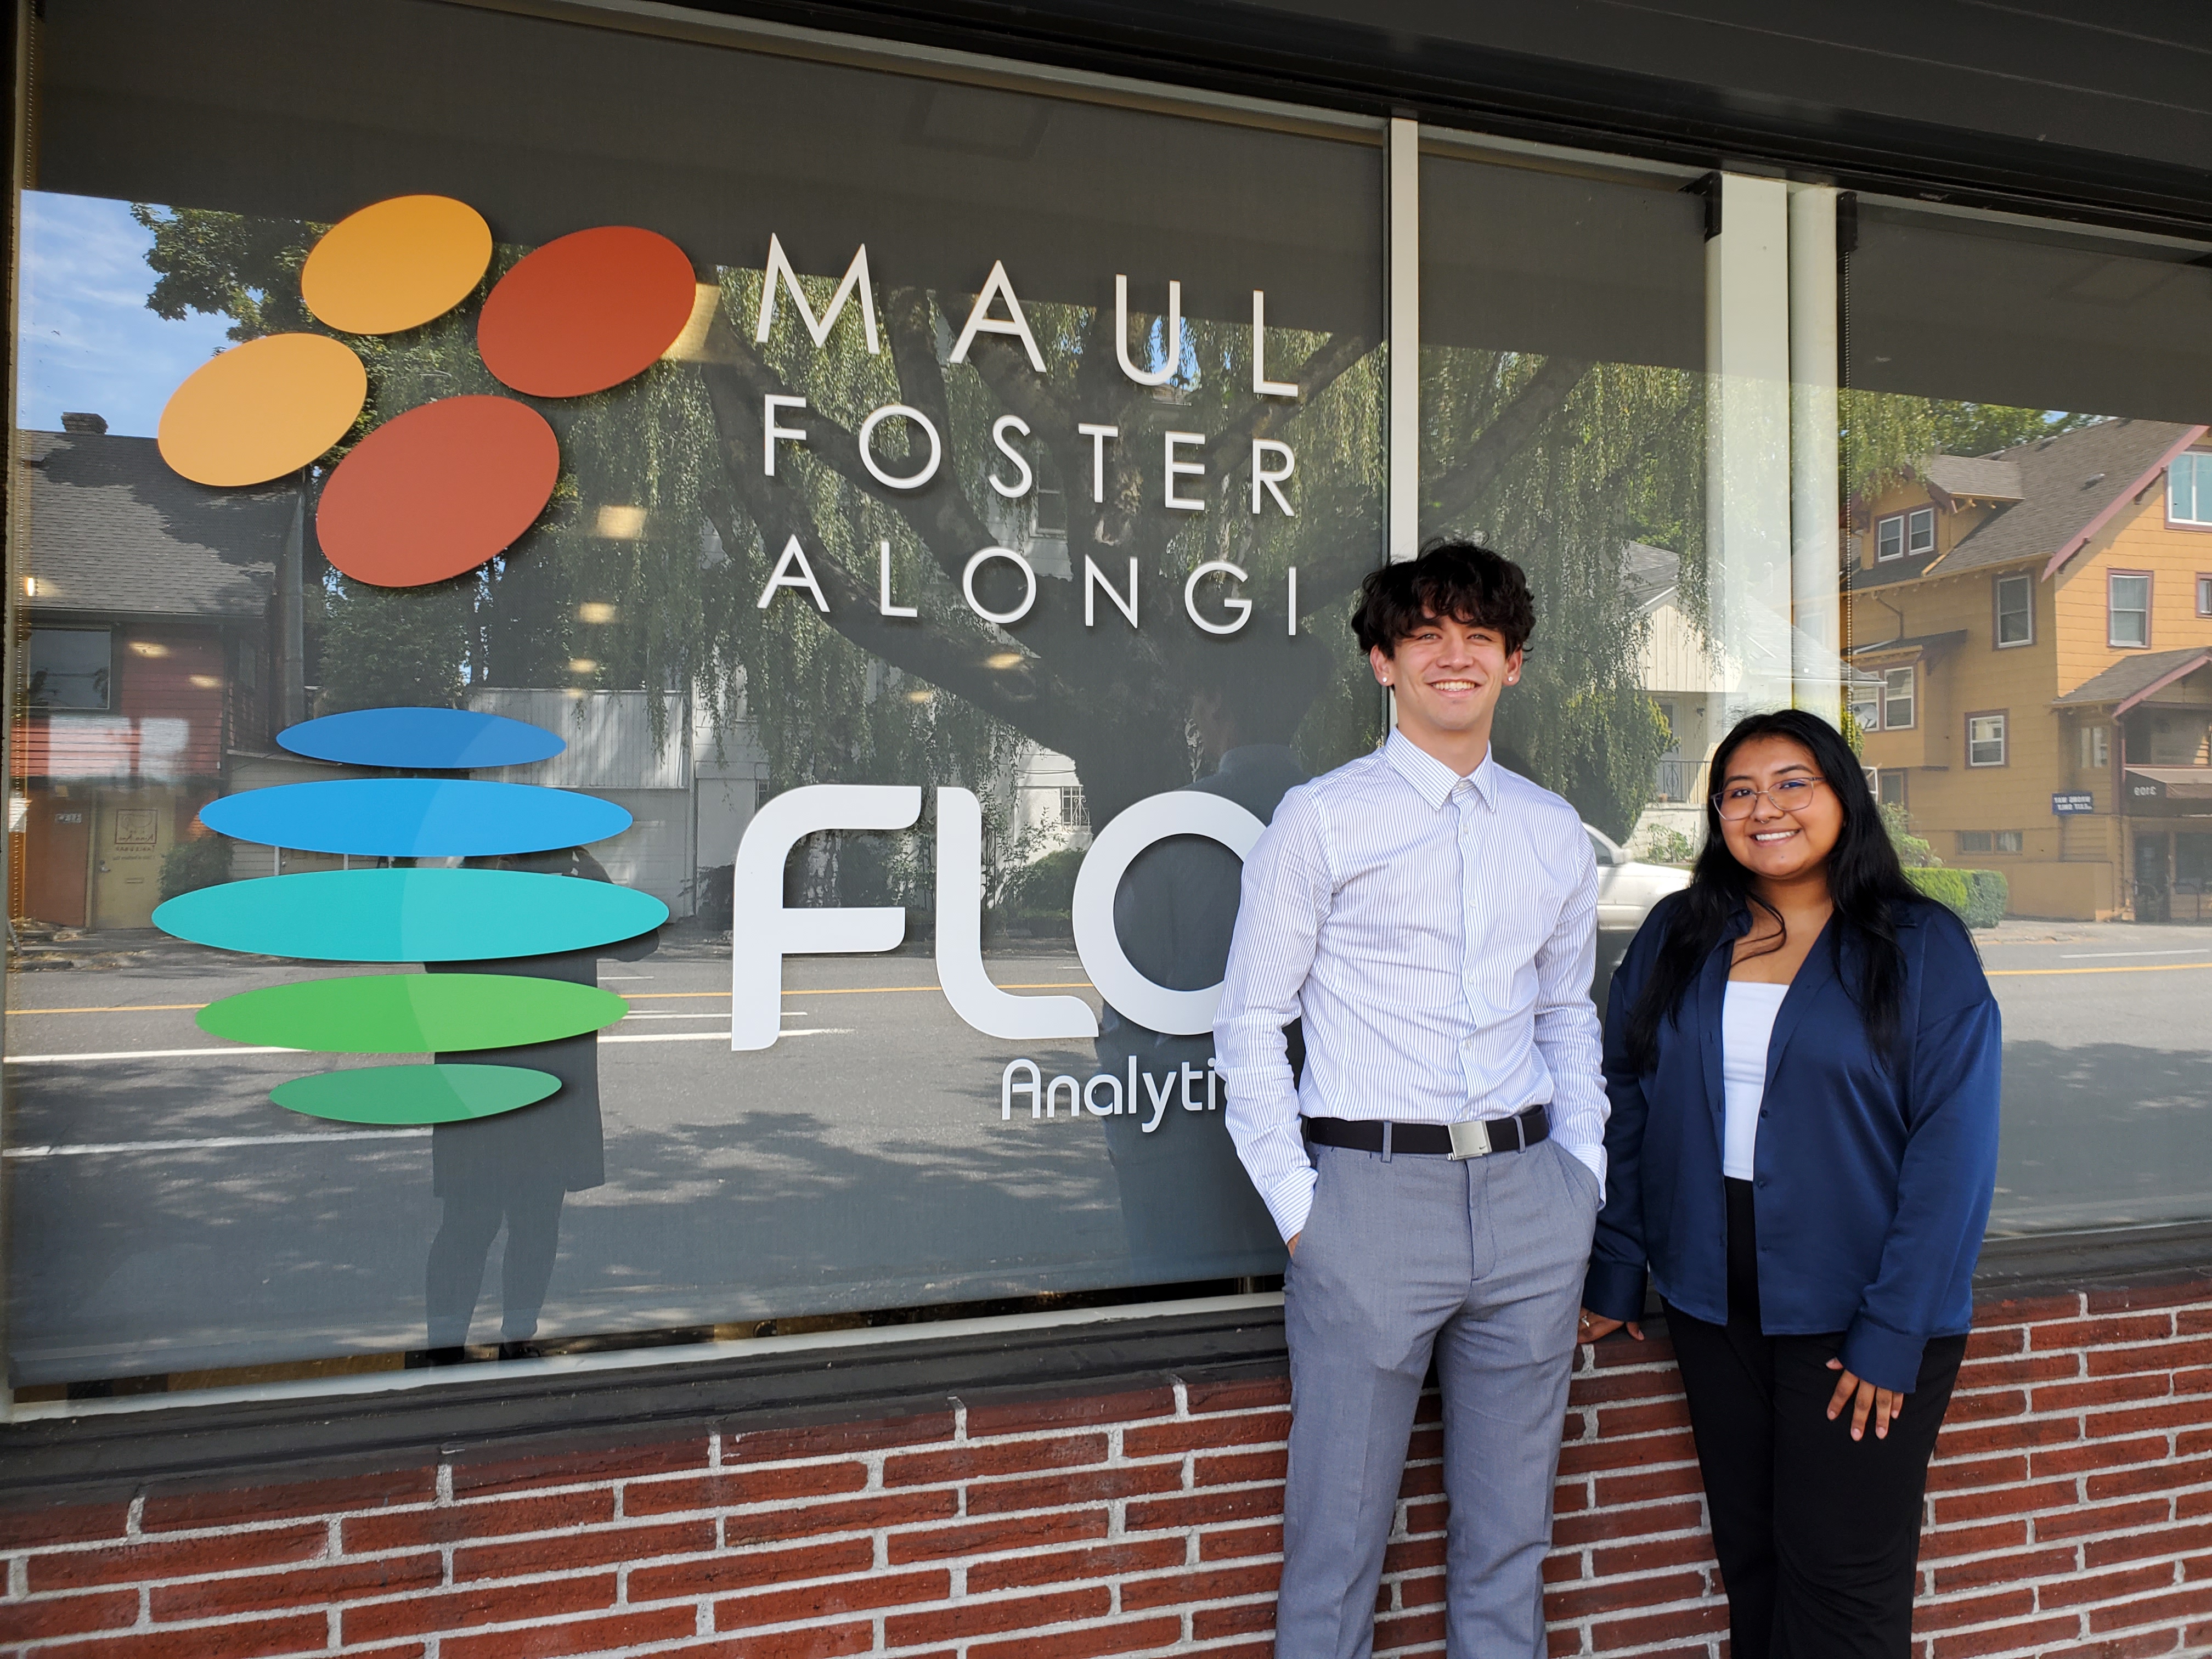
(1738,801)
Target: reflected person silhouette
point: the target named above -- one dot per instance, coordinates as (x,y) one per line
(517,1169)
(1187,1208)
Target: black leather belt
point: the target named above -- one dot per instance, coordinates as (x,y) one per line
(1476,1138)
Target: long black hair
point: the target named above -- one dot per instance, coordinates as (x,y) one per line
(1865,882)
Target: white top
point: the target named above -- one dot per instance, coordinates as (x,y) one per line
(1746,1023)
(1438,935)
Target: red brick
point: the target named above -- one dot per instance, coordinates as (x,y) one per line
(1563,1569)
(1166,1439)
(859,1515)
(2007,1436)
(2156,1477)
(1411,1554)
(2149,1296)
(1041,1529)
(726,1491)
(297,1587)
(2188,1505)
(1624,1595)
(1208,1584)
(484,1604)
(815,1642)
(1235,1543)
(1240,1468)
(1424,1591)
(618,1632)
(599,1548)
(61,1523)
(2190,1442)
(2140,1646)
(2180,1604)
(826,1601)
(2192,1322)
(2168,1541)
(2027,1637)
(1243,1618)
(1623,1489)
(1984,1405)
(1594,1387)
(1130,1636)
(2075,1524)
(67,1615)
(1250,1394)
(1237,1503)
(2015,1603)
(1653,1353)
(1425,1445)
(178,1557)
(2196,1380)
(1990,1344)
(1024,1416)
(975,1462)
(363,1534)
(231,1506)
(749,1569)
(1617,1420)
(1605,1523)
(2004,1500)
(2028,1310)
(2014,1371)
(1658,1627)
(836,1439)
(2151,1357)
(1953,1474)
(1641,1451)
(1951,1542)
(1056,1491)
(1423,1481)
(991,1618)
(2174,1415)
(2023,1568)
(1696,1549)
(1059,1567)
(618,1462)
(1416,1630)
(2098,1455)
(236,1638)
(2104,1587)
(2101,1333)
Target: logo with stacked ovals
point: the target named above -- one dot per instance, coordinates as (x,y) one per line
(414,914)
(426,495)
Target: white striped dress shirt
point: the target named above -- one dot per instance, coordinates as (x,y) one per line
(1438,935)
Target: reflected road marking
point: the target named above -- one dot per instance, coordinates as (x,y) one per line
(212,1143)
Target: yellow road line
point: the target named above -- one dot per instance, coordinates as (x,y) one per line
(672,996)
(127,1008)
(2147,968)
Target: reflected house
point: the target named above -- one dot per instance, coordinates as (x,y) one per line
(146,671)
(2040,621)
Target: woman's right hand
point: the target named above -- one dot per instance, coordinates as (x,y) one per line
(1597,1326)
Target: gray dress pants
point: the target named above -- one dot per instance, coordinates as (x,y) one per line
(1479,1263)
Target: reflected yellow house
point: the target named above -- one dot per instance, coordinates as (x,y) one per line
(2039,625)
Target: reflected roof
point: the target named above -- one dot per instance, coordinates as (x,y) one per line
(2137,676)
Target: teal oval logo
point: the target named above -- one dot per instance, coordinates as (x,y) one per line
(415,1094)
(415,818)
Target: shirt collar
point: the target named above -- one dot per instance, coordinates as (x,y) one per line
(1432,779)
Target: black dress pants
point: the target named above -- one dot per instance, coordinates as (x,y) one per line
(1818,1535)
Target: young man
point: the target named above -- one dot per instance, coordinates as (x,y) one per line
(1437,1173)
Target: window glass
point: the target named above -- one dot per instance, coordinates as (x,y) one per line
(710,637)
(1893,788)
(1562,423)
(2204,596)
(1896,699)
(1863,699)
(2015,610)
(2041,391)
(1920,531)
(68,667)
(1889,537)
(2130,610)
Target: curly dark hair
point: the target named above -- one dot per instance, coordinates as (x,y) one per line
(1467,583)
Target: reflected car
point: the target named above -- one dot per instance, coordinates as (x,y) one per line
(1627,888)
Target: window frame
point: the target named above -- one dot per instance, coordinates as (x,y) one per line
(1912,528)
(2200,468)
(2204,593)
(1912,698)
(1880,525)
(48,709)
(2003,717)
(2150,592)
(1997,640)
(2094,741)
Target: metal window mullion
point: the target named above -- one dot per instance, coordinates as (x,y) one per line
(1402,238)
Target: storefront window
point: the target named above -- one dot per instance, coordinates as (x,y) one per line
(2038,392)
(1015,463)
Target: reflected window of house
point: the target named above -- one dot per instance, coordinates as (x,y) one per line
(1992,841)
(2096,748)
(1889,537)
(68,667)
(2016,597)
(2188,488)
(1074,811)
(1896,699)
(763,791)
(2127,603)
(1985,740)
(1865,704)
(2204,596)
(1920,531)
(1890,786)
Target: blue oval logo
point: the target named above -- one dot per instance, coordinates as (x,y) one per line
(415,818)
(430,739)
(410,915)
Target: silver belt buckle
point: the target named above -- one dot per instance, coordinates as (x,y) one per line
(1470,1140)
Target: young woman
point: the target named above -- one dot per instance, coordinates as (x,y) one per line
(1801,1054)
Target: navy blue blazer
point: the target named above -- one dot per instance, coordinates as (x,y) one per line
(1872,1182)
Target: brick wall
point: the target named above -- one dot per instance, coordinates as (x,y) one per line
(2071,1514)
